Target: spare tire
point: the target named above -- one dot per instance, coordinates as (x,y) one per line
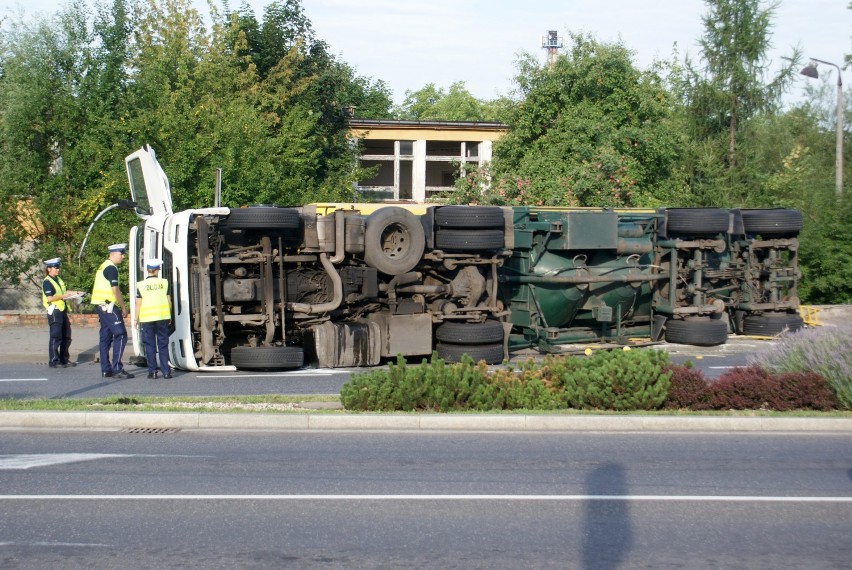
(394,240)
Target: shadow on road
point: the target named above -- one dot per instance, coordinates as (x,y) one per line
(607,529)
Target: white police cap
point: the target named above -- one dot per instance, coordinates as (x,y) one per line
(154,263)
(55,262)
(119,247)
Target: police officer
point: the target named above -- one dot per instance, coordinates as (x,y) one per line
(54,297)
(107,298)
(154,313)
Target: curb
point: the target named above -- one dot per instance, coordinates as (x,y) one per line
(10,319)
(414,422)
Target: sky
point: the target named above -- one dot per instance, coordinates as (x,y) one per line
(409,43)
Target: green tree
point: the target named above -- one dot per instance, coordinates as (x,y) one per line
(432,103)
(47,80)
(589,131)
(731,86)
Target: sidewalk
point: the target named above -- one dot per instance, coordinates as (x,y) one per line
(27,342)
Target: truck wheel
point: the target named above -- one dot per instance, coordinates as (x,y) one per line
(489,332)
(697,331)
(267,357)
(490,353)
(771,324)
(469,217)
(698,221)
(393,241)
(469,240)
(772,223)
(264,218)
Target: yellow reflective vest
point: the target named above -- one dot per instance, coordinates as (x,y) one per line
(102,289)
(59,287)
(155,300)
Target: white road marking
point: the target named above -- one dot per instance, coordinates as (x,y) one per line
(45,459)
(58,544)
(561,498)
(23,379)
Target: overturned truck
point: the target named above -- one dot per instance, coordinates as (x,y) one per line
(345,285)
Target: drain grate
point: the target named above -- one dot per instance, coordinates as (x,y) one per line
(149,430)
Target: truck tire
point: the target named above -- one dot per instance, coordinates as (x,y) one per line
(394,240)
(488,332)
(267,357)
(771,324)
(269,218)
(772,223)
(490,353)
(469,240)
(469,217)
(697,331)
(697,221)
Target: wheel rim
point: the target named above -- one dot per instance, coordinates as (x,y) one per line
(395,241)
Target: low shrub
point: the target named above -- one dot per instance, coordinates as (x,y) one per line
(430,386)
(608,380)
(688,390)
(755,388)
(826,351)
(613,380)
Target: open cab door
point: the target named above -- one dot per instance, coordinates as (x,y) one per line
(150,191)
(149,185)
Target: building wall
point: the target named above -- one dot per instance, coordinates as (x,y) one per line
(418,160)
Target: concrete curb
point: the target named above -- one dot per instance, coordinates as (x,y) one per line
(414,422)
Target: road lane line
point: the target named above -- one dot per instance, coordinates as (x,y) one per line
(563,498)
(23,379)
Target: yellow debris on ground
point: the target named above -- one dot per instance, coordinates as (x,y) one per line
(810,315)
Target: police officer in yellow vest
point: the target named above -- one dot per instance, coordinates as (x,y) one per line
(154,312)
(109,302)
(56,299)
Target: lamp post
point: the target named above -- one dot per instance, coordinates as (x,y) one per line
(810,70)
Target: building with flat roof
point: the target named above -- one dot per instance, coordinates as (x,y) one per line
(417,160)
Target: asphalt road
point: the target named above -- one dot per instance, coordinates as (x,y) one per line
(190,499)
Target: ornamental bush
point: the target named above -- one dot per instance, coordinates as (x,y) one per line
(755,388)
(688,390)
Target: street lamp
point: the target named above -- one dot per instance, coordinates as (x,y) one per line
(810,70)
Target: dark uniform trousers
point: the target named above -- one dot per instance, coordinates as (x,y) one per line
(60,337)
(155,337)
(113,335)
